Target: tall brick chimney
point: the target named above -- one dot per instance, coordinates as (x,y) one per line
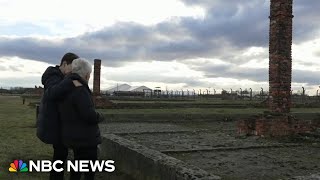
(96,77)
(280,60)
(279,122)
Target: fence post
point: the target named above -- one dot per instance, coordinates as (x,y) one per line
(37,113)
(303,95)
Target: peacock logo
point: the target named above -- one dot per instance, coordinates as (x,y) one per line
(18,166)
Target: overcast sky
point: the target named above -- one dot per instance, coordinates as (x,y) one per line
(174,44)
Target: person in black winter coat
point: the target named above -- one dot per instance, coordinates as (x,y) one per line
(80,130)
(48,122)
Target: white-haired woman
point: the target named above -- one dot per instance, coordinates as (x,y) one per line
(80,130)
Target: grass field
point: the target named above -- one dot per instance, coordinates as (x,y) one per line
(202,111)
(182,111)
(190,110)
(18,132)
(197,101)
(18,138)
(19,141)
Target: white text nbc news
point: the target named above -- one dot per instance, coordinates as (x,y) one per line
(76,166)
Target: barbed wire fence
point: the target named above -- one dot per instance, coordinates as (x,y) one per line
(227,94)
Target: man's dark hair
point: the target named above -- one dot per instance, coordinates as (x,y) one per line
(68,58)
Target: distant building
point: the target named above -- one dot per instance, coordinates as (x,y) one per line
(122,87)
(127,90)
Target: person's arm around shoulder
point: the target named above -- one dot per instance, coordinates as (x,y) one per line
(55,88)
(58,89)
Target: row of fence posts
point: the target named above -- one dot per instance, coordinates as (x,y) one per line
(262,95)
(177,94)
(200,93)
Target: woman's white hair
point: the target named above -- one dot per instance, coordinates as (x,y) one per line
(81,67)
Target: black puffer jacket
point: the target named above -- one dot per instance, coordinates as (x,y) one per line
(55,89)
(79,117)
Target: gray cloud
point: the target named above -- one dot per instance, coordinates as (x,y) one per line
(154,77)
(3,68)
(305,22)
(228,28)
(233,71)
(311,78)
(241,23)
(257,74)
(317,53)
(14,68)
(27,81)
(31,48)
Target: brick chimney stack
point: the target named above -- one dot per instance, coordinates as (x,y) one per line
(280,60)
(96,77)
(279,122)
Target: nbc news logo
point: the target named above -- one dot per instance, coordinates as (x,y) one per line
(18,166)
(77,166)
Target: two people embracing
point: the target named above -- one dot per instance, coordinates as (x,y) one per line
(67,117)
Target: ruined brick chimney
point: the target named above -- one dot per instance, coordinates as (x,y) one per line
(99,101)
(280,60)
(96,77)
(279,122)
